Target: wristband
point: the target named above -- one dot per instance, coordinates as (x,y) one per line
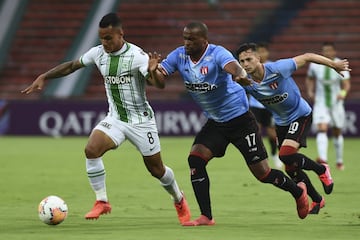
(343,93)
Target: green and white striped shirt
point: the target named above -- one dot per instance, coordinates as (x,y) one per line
(125,73)
(328,83)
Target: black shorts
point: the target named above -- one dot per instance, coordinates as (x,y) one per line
(298,130)
(242,132)
(263,116)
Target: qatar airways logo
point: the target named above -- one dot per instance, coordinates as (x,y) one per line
(200,87)
(275,99)
(117,79)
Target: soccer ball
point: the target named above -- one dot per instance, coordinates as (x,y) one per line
(52,210)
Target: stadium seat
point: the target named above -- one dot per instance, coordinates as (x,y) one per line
(44,36)
(337,21)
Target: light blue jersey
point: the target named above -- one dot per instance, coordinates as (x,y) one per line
(255,103)
(220,98)
(279,93)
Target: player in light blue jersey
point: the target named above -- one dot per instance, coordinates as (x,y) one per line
(273,85)
(264,116)
(210,74)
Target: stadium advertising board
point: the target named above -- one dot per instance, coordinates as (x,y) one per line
(74,118)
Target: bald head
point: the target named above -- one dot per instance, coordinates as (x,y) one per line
(198,27)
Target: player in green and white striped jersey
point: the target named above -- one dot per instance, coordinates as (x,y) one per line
(125,73)
(328,96)
(124,67)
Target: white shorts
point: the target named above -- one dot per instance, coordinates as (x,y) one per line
(334,116)
(144,136)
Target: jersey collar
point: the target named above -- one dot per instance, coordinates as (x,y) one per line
(207,47)
(122,50)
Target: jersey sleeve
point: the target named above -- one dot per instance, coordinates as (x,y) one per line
(286,67)
(169,65)
(89,57)
(223,56)
(143,63)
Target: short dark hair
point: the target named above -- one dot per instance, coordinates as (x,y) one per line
(199,25)
(327,43)
(110,19)
(246,46)
(262,45)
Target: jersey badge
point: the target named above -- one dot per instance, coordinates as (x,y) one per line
(125,66)
(273,85)
(204,70)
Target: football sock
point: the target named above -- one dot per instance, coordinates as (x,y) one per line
(339,148)
(322,145)
(295,160)
(96,174)
(301,176)
(303,162)
(200,183)
(170,185)
(280,180)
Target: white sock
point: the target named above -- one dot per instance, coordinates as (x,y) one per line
(96,174)
(322,145)
(169,183)
(339,148)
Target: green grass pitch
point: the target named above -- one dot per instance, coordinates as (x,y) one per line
(34,167)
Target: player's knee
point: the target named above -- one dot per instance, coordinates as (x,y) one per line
(336,132)
(155,165)
(91,152)
(260,170)
(322,127)
(286,154)
(263,176)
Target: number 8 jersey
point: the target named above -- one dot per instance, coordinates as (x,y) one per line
(125,73)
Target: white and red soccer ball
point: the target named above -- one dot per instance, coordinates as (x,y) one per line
(52,210)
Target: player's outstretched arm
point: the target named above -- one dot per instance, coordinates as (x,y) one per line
(59,71)
(342,65)
(156,78)
(239,74)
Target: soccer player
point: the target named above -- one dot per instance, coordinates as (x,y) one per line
(330,93)
(124,67)
(210,74)
(274,87)
(264,116)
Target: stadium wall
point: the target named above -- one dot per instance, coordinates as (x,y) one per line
(77,118)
